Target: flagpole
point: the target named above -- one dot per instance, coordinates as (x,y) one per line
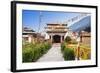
(39,21)
(40,15)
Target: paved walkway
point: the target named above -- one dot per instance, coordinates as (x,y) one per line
(54,54)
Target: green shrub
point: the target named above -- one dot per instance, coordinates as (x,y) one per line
(27,54)
(36,53)
(32,52)
(68,53)
(67,39)
(63,45)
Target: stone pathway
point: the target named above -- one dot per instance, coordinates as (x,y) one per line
(54,54)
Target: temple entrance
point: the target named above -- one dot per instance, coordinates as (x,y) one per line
(56,39)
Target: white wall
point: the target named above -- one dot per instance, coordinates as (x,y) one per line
(5,36)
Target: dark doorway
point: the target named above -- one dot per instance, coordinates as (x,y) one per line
(56,39)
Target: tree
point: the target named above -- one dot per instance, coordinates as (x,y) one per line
(67,39)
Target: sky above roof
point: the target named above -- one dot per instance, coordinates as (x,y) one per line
(37,20)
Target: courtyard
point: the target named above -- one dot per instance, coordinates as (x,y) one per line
(44,40)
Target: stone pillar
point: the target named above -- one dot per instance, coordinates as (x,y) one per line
(29,39)
(51,38)
(61,39)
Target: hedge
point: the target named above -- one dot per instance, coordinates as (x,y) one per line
(68,53)
(32,52)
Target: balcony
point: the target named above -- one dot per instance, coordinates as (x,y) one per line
(56,30)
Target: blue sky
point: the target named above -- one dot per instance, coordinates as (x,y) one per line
(30,18)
